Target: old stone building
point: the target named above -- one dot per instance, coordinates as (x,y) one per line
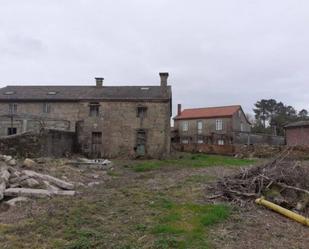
(211,125)
(109,121)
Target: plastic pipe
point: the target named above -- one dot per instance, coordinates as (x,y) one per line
(283,211)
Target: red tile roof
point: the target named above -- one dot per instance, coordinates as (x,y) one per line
(209,112)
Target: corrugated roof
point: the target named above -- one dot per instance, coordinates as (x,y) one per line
(208,112)
(297,124)
(77,93)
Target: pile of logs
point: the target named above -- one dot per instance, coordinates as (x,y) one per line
(282,180)
(22,183)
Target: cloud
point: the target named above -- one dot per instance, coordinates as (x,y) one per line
(217,52)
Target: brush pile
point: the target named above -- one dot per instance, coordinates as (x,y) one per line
(281,180)
(23,183)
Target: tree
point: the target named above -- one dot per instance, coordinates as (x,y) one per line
(303,114)
(271,116)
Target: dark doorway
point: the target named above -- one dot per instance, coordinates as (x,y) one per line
(96,144)
(141,143)
(12,131)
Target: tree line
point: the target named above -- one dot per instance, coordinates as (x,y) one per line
(271,116)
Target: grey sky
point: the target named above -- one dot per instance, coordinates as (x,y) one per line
(217,52)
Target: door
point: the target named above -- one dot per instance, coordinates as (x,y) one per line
(96,144)
(141,143)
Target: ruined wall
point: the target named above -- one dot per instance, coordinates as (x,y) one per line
(62,115)
(50,143)
(119,123)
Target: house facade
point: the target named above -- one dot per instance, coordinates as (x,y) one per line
(109,121)
(297,133)
(211,125)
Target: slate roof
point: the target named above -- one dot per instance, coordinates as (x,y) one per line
(77,93)
(297,124)
(208,112)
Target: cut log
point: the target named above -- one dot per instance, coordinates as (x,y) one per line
(4,178)
(27,192)
(50,187)
(30,192)
(59,183)
(13,201)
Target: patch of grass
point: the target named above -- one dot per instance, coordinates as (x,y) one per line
(198,160)
(184,226)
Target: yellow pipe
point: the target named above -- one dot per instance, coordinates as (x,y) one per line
(283,211)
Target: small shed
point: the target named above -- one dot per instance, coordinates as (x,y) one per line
(297,133)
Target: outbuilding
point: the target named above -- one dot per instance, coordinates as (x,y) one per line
(297,133)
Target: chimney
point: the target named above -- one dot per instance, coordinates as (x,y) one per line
(178,109)
(163,77)
(99,82)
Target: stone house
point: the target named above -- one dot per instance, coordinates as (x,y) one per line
(297,133)
(210,125)
(109,121)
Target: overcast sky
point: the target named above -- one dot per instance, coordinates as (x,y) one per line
(218,52)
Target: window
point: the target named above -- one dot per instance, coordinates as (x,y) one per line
(12,108)
(46,107)
(12,131)
(239,113)
(141,111)
(219,124)
(184,141)
(94,109)
(185,126)
(200,141)
(199,127)
(9,93)
(51,93)
(220,142)
(241,127)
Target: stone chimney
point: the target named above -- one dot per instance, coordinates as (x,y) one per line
(178,109)
(99,82)
(163,77)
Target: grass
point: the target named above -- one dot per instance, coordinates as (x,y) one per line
(197,160)
(184,226)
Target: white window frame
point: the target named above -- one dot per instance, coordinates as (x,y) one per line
(199,127)
(200,141)
(220,142)
(219,125)
(185,141)
(185,126)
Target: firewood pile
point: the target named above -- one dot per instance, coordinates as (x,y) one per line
(19,183)
(281,180)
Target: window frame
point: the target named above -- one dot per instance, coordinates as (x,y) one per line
(219,124)
(184,126)
(199,129)
(12,108)
(46,107)
(96,111)
(220,142)
(141,111)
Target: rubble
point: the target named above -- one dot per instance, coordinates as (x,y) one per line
(15,182)
(282,180)
(92,163)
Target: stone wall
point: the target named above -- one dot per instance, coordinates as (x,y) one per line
(118,123)
(62,115)
(49,143)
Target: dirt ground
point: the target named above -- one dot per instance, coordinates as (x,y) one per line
(120,199)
